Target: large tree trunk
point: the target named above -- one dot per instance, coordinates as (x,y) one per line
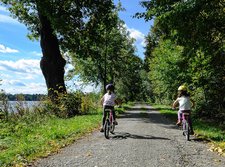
(52,63)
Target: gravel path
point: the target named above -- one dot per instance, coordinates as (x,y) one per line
(143,138)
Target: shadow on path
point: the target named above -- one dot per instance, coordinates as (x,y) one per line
(149,116)
(144,109)
(125,135)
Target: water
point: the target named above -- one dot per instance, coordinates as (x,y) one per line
(12,106)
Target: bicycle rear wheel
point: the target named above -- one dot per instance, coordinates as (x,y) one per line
(107,129)
(112,128)
(186,130)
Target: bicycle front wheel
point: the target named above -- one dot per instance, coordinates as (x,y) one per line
(107,129)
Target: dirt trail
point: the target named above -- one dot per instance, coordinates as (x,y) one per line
(143,138)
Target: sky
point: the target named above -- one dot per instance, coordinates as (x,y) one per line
(20,57)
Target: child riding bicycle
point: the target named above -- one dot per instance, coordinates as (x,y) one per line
(185,105)
(108,101)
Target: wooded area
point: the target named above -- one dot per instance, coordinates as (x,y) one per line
(185,46)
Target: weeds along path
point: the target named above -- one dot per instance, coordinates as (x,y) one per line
(143,138)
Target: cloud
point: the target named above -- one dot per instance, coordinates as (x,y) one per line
(22,76)
(4,49)
(13,83)
(21,66)
(138,35)
(17,87)
(8,19)
(36,53)
(3,9)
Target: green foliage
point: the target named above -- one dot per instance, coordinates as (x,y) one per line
(4,107)
(128,85)
(197,27)
(168,70)
(197,22)
(71,104)
(79,17)
(44,128)
(66,105)
(111,59)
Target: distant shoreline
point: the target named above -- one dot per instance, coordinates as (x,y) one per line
(25,97)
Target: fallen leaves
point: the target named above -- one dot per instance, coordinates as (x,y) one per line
(215,148)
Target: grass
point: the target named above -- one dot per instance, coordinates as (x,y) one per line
(22,142)
(204,130)
(34,136)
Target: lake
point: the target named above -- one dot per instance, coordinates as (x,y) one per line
(11,106)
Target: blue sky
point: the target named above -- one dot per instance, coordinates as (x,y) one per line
(19,57)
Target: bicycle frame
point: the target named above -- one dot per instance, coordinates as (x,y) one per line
(109,126)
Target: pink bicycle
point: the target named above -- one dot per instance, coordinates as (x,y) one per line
(186,125)
(109,125)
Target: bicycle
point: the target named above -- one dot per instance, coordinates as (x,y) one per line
(186,124)
(109,125)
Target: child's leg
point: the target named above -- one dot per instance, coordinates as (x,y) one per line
(103,117)
(179,115)
(114,114)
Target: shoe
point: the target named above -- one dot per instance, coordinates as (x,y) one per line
(115,122)
(101,130)
(178,123)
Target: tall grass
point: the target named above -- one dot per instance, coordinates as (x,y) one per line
(23,141)
(26,134)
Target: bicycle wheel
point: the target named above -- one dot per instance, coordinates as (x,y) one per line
(107,129)
(112,125)
(112,128)
(186,131)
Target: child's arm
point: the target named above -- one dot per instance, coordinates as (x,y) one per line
(175,104)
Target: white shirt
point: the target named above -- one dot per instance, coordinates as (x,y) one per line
(109,99)
(184,103)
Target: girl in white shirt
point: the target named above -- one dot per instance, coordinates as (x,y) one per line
(108,101)
(185,104)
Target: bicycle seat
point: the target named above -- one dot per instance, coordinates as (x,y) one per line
(186,113)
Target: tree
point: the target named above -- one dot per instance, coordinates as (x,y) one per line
(197,22)
(168,70)
(109,58)
(129,83)
(59,25)
(197,26)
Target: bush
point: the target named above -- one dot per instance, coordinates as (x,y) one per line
(71,104)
